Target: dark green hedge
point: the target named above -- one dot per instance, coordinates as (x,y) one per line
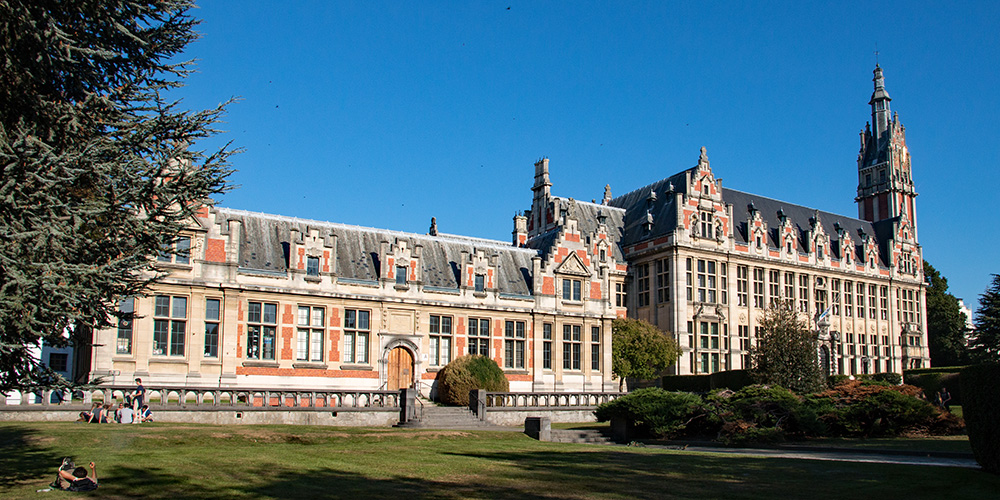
(932,383)
(981,387)
(936,369)
(732,379)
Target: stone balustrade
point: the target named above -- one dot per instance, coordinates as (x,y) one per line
(511,400)
(207,398)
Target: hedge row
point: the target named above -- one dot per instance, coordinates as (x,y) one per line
(981,386)
(932,382)
(732,379)
(936,369)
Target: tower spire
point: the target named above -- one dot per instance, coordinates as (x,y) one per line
(880,104)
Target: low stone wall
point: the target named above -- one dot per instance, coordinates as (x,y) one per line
(386,417)
(514,417)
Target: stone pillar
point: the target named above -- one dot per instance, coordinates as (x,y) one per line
(539,428)
(407,405)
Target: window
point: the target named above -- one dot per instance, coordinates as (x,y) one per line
(311,322)
(619,295)
(357,329)
(707,281)
(595,348)
(571,347)
(124,340)
(178,252)
(804,293)
(774,286)
(480,282)
(790,289)
(440,338)
(58,361)
(848,299)
(744,334)
(758,287)
(603,255)
(642,278)
(513,344)
(312,266)
(662,281)
(262,322)
(909,306)
(835,296)
(688,279)
(871,301)
(706,225)
(547,346)
(820,294)
(479,336)
(742,284)
(724,282)
(401,276)
(572,289)
(169,325)
(819,250)
(883,302)
(709,335)
(213,316)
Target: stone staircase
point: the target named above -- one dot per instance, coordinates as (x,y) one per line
(586,436)
(433,416)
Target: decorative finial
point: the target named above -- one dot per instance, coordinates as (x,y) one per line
(434,227)
(607,194)
(703,158)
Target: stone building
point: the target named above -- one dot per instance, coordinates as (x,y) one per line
(256,300)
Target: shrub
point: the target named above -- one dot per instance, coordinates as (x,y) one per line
(835,380)
(687,383)
(875,409)
(653,411)
(932,382)
(762,414)
(467,373)
(888,377)
(981,387)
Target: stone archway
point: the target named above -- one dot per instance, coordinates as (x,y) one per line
(399,368)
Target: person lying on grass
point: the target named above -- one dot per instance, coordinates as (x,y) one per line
(76,477)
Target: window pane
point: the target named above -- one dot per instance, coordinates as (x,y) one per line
(180,307)
(183,250)
(211,340)
(446,325)
(484,328)
(316,351)
(212,309)
(303,316)
(267,349)
(253,342)
(270,313)
(362,320)
(349,347)
(302,345)
(318,317)
(161,306)
(177,338)
(253,312)
(362,353)
(161,329)
(435,324)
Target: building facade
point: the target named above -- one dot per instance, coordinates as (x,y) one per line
(257,300)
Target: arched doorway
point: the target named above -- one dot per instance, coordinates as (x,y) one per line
(399,372)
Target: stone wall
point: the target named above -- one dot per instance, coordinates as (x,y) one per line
(515,418)
(381,418)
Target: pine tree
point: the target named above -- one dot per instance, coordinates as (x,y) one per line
(786,352)
(945,322)
(640,350)
(986,341)
(98,167)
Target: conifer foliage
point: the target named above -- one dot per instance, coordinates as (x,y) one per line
(98,170)
(945,322)
(986,339)
(785,352)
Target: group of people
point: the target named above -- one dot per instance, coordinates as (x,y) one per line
(131,411)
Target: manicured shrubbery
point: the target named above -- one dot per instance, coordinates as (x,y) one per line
(755,414)
(467,373)
(981,386)
(653,411)
(933,381)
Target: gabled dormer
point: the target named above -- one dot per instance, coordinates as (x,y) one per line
(756,230)
(818,243)
(787,237)
(706,214)
(312,252)
(402,263)
(479,272)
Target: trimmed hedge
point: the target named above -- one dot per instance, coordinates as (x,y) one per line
(731,379)
(981,386)
(936,369)
(932,382)
(467,373)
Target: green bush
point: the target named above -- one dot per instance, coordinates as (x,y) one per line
(981,387)
(936,369)
(760,413)
(865,408)
(653,411)
(687,383)
(888,377)
(835,380)
(730,379)
(468,373)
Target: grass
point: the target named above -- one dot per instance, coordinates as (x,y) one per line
(951,444)
(173,461)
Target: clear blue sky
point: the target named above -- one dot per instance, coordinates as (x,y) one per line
(388,114)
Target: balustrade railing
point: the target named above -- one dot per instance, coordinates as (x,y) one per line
(548,399)
(210,397)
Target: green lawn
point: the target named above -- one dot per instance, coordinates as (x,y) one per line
(174,461)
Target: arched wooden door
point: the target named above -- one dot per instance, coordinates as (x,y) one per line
(400,369)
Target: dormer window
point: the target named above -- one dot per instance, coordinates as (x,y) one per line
(706,224)
(819,251)
(178,252)
(400,275)
(705,190)
(604,255)
(758,240)
(312,266)
(572,289)
(788,246)
(480,283)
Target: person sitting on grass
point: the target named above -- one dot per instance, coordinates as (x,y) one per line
(96,413)
(145,415)
(124,414)
(84,417)
(77,477)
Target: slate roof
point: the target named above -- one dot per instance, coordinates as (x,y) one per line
(639,206)
(586,215)
(266,242)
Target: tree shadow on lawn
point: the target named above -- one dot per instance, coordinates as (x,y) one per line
(22,459)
